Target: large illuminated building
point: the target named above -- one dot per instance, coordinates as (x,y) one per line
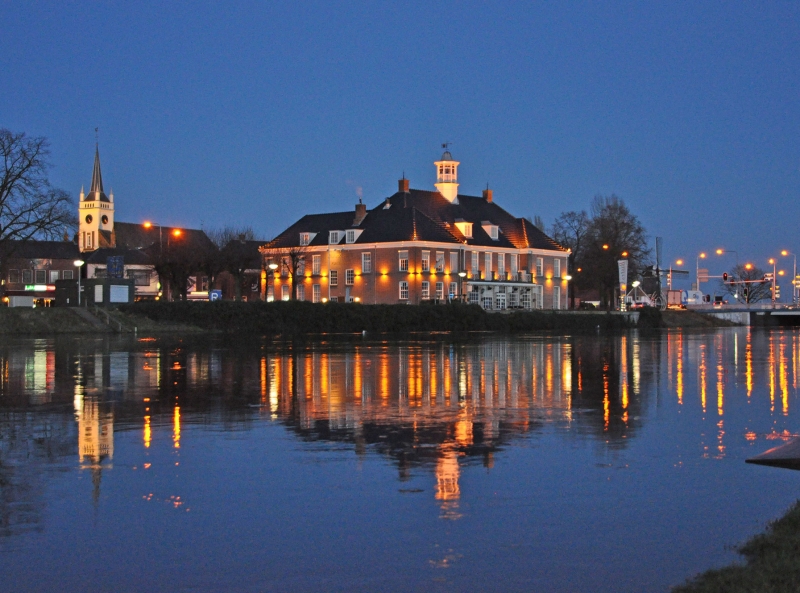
(421,245)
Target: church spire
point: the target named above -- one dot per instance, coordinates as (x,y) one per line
(97,177)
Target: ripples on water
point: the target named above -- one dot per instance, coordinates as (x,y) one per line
(551,463)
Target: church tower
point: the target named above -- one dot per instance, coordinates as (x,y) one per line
(447,176)
(96,213)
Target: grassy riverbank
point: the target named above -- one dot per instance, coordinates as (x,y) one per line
(298,318)
(293,318)
(772,563)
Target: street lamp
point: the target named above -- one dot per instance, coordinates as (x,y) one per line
(462,274)
(697,259)
(272,267)
(794,275)
(78,263)
(148,225)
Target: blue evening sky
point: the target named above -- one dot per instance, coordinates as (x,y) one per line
(235,113)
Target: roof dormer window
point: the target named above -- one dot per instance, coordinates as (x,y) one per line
(333,237)
(306,238)
(465,228)
(491,229)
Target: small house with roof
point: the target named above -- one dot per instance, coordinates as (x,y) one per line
(421,246)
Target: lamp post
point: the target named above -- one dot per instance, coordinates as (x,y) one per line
(78,263)
(462,274)
(774,279)
(697,268)
(149,225)
(272,267)
(723,251)
(794,275)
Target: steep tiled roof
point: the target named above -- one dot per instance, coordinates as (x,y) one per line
(420,215)
(135,236)
(44,250)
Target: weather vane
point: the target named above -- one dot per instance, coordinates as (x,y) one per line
(445,145)
(96,136)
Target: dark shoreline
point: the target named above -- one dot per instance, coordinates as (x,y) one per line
(289,319)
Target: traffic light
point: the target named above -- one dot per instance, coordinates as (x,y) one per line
(724,276)
(768,277)
(777,292)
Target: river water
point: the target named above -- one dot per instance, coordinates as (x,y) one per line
(534,463)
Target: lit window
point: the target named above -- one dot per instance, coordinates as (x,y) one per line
(453,290)
(440,291)
(425,291)
(316,293)
(334,277)
(426,261)
(316,264)
(349,277)
(403,260)
(366,263)
(285,294)
(305,238)
(488,265)
(475,263)
(440,261)
(404,291)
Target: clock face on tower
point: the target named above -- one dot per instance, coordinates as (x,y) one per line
(104,219)
(88,219)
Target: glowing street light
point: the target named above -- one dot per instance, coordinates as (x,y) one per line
(794,275)
(78,263)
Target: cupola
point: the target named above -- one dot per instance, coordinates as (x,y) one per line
(447,176)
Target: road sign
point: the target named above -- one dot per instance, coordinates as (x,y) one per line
(702,275)
(214,295)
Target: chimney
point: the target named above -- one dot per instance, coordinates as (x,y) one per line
(487,195)
(402,185)
(361,213)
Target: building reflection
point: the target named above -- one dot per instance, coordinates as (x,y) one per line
(432,407)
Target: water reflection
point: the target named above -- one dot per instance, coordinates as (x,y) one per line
(432,406)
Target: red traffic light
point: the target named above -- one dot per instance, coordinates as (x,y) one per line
(724,276)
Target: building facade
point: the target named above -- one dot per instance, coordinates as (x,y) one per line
(421,246)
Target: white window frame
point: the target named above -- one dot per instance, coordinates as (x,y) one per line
(538,296)
(454,263)
(349,277)
(316,292)
(453,289)
(425,261)
(440,262)
(501,265)
(403,286)
(402,261)
(286,293)
(556,267)
(440,291)
(487,265)
(539,267)
(351,237)
(425,290)
(334,278)
(366,263)
(301,292)
(67,275)
(476,263)
(514,263)
(333,237)
(316,264)
(305,238)
(556,297)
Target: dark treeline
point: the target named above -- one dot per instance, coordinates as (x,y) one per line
(293,317)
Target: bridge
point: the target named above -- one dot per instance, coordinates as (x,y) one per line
(756,314)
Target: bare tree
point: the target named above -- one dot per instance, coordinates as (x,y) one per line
(747,285)
(291,263)
(30,208)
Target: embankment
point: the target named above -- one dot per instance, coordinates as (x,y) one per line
(772,563)
(298,318)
